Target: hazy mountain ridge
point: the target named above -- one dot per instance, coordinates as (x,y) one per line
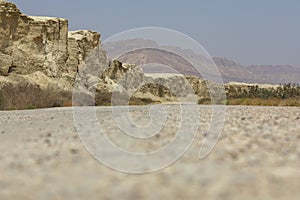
(230,70)
(271,74)
(279,73)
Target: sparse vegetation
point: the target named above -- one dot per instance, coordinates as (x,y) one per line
(141,101)
(103,99)
(284,95)
(28,96)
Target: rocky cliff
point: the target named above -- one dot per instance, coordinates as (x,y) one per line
(29,44)
(40,54)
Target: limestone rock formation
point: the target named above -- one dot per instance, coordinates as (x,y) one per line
(29,44)
(80,45)
(116,70)
(40,51)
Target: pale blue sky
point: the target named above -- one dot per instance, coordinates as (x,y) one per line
(249,32)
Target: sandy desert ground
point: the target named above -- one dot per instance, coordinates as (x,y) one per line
(257,157)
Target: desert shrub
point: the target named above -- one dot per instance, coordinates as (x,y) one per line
(284,95)
(141,101)
(1,100)
(67,103)
(292,102)
(264,102)
(30,107)
(103,98)
(204,101)
(29,96)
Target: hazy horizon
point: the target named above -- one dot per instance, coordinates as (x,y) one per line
(256,32)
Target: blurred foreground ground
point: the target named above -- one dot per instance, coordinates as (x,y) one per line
(257,157)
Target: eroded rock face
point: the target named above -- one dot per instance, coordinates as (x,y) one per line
(5,64)
(29,44)
(116,70)
(32,43)
(80,45)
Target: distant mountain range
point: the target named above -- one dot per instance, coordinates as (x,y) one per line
(272,74)
(230,70)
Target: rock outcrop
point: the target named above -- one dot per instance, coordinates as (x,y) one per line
(80,44)
(40,51)
(29,44)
